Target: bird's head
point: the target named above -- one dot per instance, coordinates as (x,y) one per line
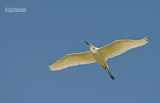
(92,48)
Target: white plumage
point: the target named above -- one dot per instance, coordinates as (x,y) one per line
(73,60)
(99,55)
(120,46)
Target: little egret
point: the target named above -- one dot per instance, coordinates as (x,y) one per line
(99,55)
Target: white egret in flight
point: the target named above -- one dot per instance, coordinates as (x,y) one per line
(99,55)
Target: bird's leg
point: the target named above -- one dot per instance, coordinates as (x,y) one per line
(106,68)
(110,74)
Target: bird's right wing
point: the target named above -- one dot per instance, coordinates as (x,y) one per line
(73,60)
(120,46)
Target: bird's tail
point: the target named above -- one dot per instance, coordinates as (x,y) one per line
(106,68)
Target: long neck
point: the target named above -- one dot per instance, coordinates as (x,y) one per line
(93,49)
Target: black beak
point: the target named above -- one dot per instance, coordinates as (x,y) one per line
(87,43)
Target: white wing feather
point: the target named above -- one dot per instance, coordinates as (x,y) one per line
(120,46)
(73,60)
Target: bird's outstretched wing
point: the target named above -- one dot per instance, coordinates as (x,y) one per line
(120,46)
(73,60)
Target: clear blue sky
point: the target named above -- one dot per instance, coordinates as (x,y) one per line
(51,29)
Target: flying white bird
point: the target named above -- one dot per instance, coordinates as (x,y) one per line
(99,55)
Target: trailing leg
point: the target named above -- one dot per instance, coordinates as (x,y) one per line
(106,68)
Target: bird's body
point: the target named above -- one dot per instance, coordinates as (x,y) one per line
(99,58)
(99,55)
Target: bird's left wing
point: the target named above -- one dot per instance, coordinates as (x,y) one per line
(120,46)
(73,60)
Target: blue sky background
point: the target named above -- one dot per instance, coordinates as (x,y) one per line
(51,29)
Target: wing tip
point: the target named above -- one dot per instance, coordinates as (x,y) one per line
(145,40)
(51,68)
